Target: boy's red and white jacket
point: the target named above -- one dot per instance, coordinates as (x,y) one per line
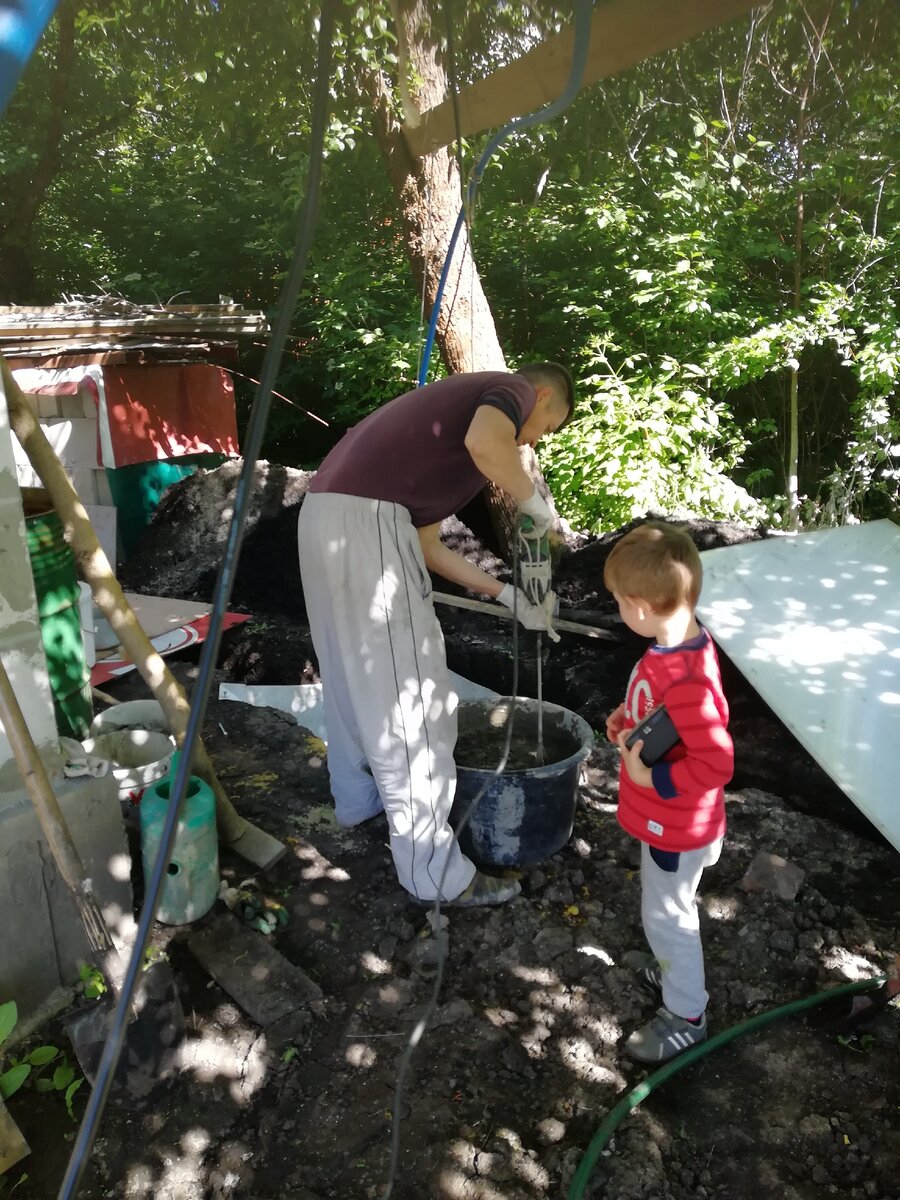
(685,807)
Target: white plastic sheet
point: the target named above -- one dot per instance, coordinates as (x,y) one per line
(304,700)
(813,622)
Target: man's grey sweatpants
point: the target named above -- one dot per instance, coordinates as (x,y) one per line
(672,926)
(390,708)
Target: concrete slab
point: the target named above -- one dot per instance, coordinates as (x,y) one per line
(267,987)
(13,1147)
(28,966)
(40,950)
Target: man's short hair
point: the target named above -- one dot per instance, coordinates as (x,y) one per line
(556,376)
(658,563)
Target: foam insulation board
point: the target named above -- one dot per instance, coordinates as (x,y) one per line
(813,622)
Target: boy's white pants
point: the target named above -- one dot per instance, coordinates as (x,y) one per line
(672,926)
(390,709)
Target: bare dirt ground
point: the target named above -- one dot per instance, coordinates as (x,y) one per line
(521,1062)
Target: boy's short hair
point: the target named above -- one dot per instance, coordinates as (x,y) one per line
(657,563)
(555,375)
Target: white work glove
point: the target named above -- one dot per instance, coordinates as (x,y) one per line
(538,509)
(538,617)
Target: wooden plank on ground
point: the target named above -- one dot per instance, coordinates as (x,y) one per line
(261,981)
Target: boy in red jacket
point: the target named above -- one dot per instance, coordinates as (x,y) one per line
(675,807)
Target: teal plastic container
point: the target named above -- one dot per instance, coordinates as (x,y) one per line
(191,883)
(137,490)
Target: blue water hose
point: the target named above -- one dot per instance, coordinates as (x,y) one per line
(583,13)
(21,24)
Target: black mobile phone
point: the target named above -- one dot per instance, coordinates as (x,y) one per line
(658,734)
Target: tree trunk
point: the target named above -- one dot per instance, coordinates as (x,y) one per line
(429,195)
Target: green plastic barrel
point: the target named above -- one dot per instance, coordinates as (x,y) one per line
(56,589)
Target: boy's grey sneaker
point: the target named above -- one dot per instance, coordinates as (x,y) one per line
(646,968)
(663,1037)
(483,890)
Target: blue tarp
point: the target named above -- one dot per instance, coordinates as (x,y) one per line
(21,24)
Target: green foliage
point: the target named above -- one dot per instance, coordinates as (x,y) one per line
(9,1015)
(652,238)
(660,263)
(33,1068)
(643,445)
(92,982)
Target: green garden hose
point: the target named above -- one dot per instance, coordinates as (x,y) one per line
(640,1092)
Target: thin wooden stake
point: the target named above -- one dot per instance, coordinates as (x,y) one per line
(51,818)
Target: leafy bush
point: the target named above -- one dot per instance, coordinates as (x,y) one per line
(645,445)
(33,1068)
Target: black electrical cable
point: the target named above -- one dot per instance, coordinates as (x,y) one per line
(255,431)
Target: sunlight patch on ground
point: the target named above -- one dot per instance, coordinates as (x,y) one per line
(374,964)
(486,1174)
(532,1041)
(181,1175)
(597,952)
(564,1000)
(851,966)
(360,1055)
(536,975)
(722,908)
(605,1030)
(522,1162)
(456,1185)
(501,1018)
(237,1057)
(578,1055)
(319,866)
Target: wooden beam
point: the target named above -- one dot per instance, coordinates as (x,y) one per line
(623,32)
(25,330)
(499,610)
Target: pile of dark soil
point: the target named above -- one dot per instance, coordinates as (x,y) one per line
(181,552)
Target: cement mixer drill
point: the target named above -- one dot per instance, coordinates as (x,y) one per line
(535,577)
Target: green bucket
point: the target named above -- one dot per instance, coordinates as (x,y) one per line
(57,592)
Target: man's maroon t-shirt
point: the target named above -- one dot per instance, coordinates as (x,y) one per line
(412,451)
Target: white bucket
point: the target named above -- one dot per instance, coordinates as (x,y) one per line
(133,714)
(137,758)
(104,638)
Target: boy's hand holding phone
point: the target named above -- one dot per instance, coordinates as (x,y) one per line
(638,772)
(645,744)
(657,735)
(614,723)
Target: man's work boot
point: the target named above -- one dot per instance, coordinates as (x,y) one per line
(483,890)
